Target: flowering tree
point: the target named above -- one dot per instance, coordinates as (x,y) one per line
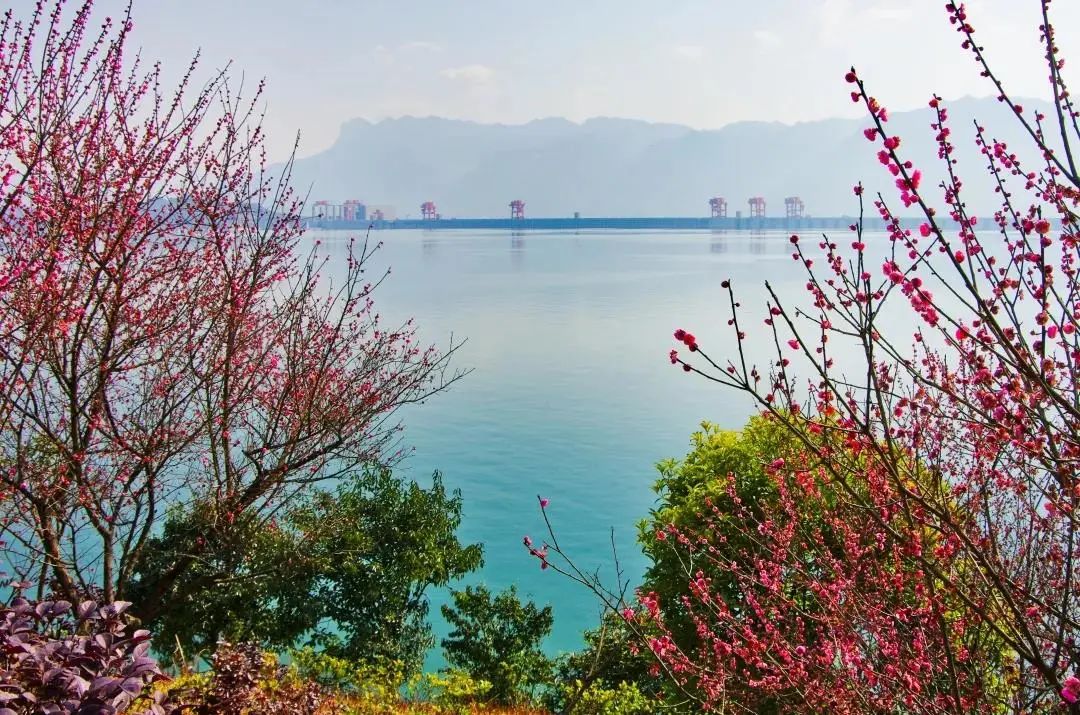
(985,405)
(941,575)
(765,575)
(163,338)
(776,544)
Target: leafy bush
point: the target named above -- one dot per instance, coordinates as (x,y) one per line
(451,691)
(721,468)
(247,681)
(497,639)
(612,656)
(377,683)
(85,659)
(623,699)
(346,570)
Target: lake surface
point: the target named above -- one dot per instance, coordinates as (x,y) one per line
(572,395)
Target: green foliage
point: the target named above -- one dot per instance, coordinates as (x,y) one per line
(611,658)
(453,691)
(250,582)
(186,687)
(497,639)
(346,571)
(724,466)
(395,542)
(378,682)
(623,699)
(615,672)
(720,462)
(248,681)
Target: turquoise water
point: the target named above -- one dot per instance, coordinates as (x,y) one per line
(571,395)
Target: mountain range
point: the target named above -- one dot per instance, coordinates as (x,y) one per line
(626,167)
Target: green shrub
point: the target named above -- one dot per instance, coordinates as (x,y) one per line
(624,699)
(346,570)
(377,682)
(497,638)
(452,691)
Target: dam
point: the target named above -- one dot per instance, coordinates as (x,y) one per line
(354,215)
(628,223)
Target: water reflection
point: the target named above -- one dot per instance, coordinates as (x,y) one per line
(719,242)
(429,242)
(517,249)
(758,242)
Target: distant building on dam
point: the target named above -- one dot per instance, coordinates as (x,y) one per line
(348,214)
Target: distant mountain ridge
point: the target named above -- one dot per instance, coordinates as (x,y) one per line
(626,167)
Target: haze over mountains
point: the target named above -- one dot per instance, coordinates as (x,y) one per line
(622,167)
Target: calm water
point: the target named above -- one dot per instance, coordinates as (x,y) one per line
(571,395)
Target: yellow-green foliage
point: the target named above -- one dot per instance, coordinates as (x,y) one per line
(179,689)
(379,688)
(377,683)
(717,456)
(626,699)
(190,682)
(452,691)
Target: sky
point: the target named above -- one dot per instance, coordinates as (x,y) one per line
(702,63)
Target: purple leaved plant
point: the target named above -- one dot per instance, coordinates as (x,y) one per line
(82,660)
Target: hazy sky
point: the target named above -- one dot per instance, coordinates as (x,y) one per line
(704,63)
